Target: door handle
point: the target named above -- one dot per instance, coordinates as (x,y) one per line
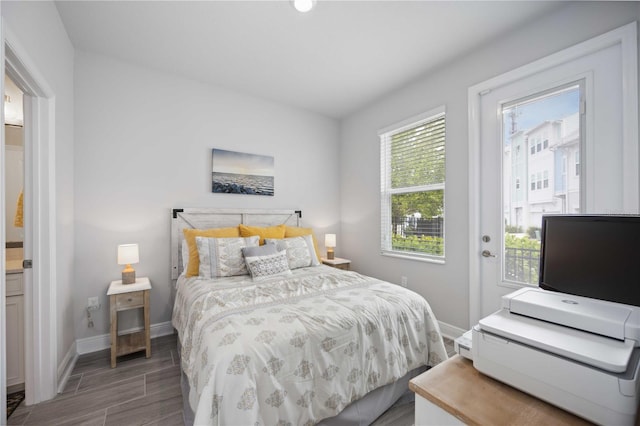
(487,253)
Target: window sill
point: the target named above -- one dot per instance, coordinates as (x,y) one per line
(410,257)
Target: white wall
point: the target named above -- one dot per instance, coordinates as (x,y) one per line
(446,286)
(143,146)
(38,29)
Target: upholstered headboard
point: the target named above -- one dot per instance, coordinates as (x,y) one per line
(199,218)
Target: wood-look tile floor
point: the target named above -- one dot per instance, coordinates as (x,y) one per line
(138,391)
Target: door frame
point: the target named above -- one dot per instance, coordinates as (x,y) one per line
(40,225)
(625,36)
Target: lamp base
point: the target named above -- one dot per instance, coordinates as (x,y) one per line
(128,277)
(330,255)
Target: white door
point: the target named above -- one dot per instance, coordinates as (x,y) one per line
(528,168)
(548,141)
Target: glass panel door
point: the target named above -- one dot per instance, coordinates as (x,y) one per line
(541,172)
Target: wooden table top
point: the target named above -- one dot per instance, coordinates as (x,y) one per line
(462,391)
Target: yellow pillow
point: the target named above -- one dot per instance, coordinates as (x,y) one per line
(262,231)
(193,267)
(294,231)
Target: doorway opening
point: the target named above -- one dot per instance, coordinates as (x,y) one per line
(14,245)
(39,225)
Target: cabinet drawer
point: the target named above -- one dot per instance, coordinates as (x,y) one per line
(14,284)
(129,300)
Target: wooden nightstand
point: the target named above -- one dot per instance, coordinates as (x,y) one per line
(123,297)
(337,263)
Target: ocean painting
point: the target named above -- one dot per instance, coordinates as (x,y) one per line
(241,173)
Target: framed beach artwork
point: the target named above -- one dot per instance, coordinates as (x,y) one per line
(241,173)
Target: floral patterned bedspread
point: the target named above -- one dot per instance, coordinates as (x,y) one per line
(295,350)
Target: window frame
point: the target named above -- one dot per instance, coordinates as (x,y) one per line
(385,135)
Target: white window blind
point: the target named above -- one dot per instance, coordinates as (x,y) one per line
(412,186)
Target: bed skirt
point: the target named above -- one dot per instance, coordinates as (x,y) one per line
(359,413)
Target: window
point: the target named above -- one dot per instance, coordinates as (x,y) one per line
(412,170)
(577,161)
(556,105)
(517,183)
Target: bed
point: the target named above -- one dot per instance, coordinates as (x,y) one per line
(301,346)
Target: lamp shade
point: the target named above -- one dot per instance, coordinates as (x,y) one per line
(330,240)
(127,254)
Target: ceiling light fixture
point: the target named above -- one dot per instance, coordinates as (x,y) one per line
(303,6)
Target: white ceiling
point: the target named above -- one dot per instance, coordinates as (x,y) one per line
(333,60)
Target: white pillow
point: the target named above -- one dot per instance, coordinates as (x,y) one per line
(222,257)
(266,266)
(300,250)
(259,250)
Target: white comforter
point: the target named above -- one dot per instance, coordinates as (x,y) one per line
(298,349)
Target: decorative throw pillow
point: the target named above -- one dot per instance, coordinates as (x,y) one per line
(190,238)
(296,231)
(222,257)
(270,265)
(300,251)
(259,250)
(262,231)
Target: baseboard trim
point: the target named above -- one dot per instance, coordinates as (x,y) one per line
(103,341)
(66,366)
(450,331)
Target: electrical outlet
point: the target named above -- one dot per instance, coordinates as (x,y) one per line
(89,319)
(93,303)
(403,281)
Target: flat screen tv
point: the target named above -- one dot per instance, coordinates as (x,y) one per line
(592,256)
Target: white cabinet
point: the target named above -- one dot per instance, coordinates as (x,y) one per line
(454,393)
(15,330)
(428,413)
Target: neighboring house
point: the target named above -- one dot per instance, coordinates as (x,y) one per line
(542,172)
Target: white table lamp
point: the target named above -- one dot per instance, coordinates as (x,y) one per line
(128,254)
(330,244)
